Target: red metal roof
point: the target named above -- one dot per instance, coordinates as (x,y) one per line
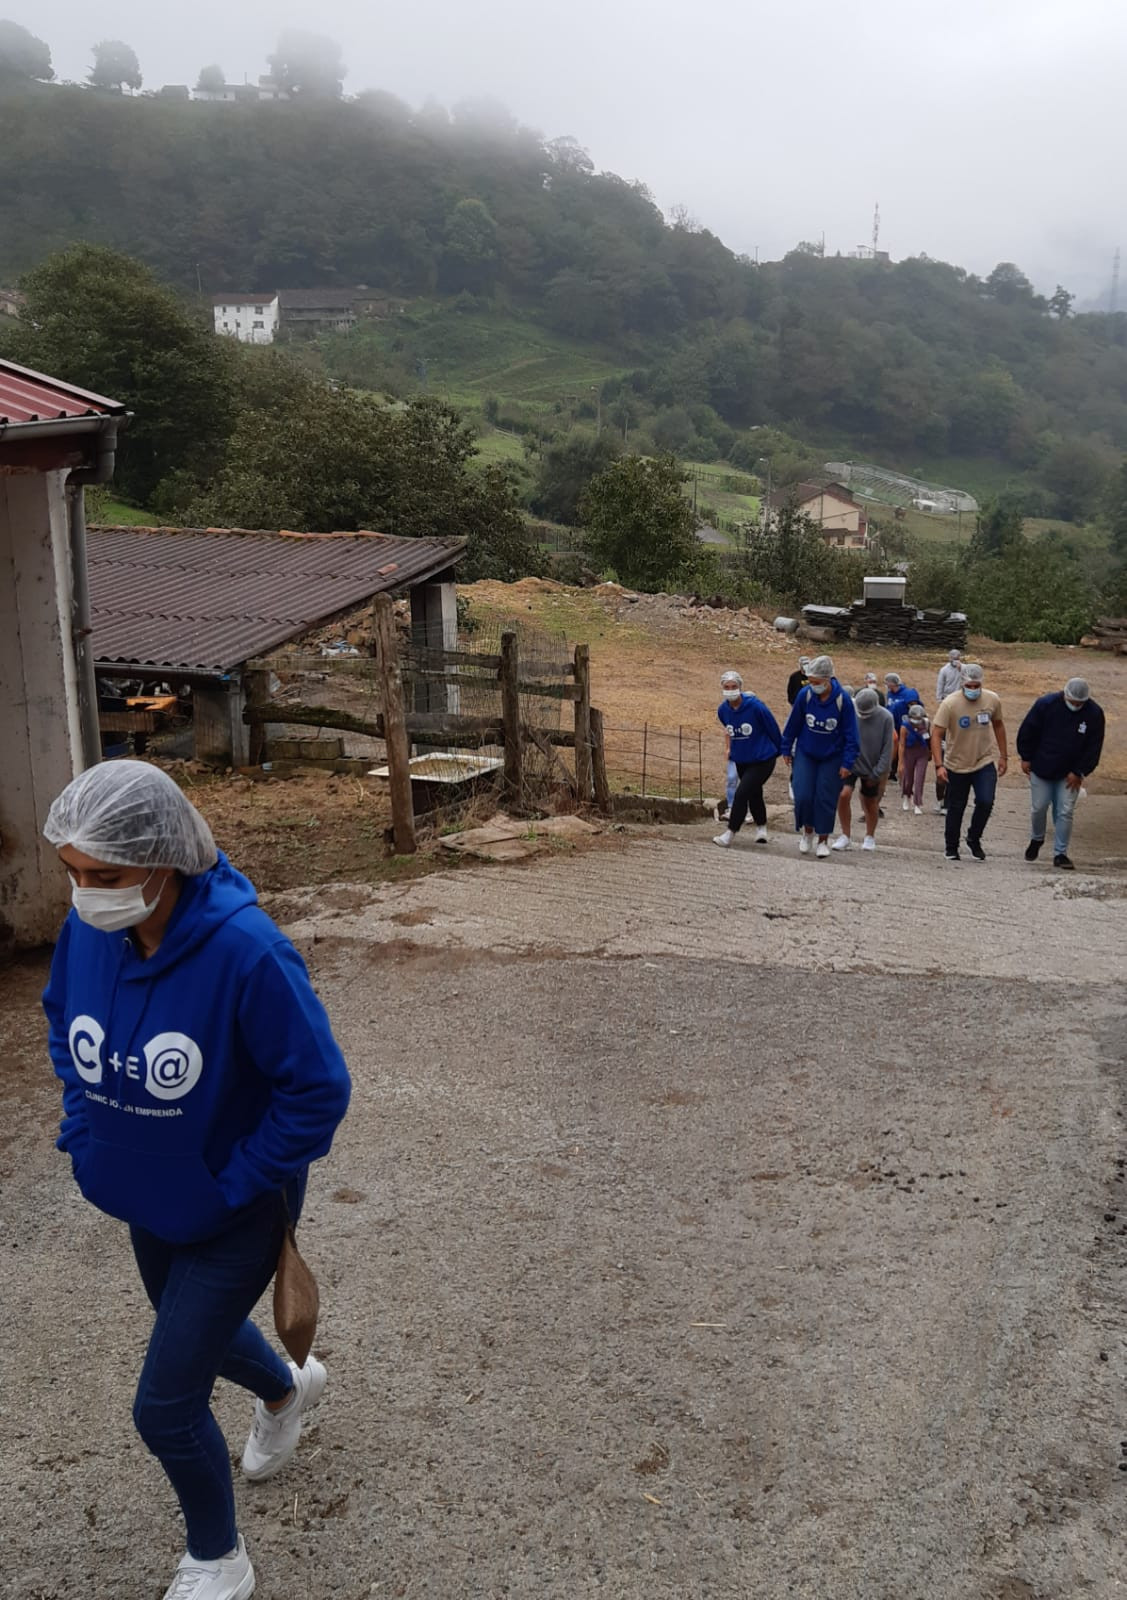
(207,599)
(27,396)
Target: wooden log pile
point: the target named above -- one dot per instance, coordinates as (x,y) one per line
(1108,633)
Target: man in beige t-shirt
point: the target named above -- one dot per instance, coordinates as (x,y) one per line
(970,720)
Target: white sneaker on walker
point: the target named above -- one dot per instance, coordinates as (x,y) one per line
(723,839)
(761,835)
(918,811)
(230,1578)
(906,805)
(804,844)
(273,1438)
(870,843)
(823,850)
(843,842)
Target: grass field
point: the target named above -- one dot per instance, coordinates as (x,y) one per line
(115,513)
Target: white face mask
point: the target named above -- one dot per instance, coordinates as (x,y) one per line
(1074,705)
(733,694)
(113,910)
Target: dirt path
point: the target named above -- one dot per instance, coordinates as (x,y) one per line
(706,1225)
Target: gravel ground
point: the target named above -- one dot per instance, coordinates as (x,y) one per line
(706,1224)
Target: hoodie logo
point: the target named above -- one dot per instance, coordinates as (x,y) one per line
(86,1038)
(173,1064)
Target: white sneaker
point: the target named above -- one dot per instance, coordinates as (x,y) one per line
(723,839)
(804,844)
(823,850)
(870,843)
(843,842)
(906,804)
(761,835)
(273,1438)
(231,1578)
(918,811)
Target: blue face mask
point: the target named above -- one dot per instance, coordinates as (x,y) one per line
(972,694)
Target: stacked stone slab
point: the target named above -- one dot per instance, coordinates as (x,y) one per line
(888,624)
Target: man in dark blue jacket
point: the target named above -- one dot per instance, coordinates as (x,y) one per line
(1059,744)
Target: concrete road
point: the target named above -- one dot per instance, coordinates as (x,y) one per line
(706,1224)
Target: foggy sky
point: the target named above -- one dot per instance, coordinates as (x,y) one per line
(988,130)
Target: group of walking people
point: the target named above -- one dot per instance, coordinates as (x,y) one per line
(838,741)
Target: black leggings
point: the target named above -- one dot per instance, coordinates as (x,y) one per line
(749,793)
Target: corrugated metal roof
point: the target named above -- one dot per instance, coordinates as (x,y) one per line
(208,599)
(27,396)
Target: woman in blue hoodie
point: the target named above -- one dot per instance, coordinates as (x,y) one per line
(753,748)
(200,1078)
(821,740)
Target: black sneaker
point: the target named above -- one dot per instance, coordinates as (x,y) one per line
(1033,849)
(1064,864)
(975,848)
(952,855)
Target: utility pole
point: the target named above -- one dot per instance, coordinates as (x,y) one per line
(765,509)
(876,227)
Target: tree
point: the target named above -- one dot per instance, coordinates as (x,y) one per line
(1060,302)
(101,321)
(1117,512)
(22,55)
(307,66)
(1008,284)
(1077,474)
(471,247)
(211,80)
(638,522)
(565,471)
(998,528)
(115,67)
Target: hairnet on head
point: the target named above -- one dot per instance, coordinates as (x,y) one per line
(820,667)
(804,662)
(893,677)
(1077,689)
(972,672)
(731,677)
(129,814)
(954,655)
(916,713)
(867,701)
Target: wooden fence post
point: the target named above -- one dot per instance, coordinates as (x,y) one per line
(599,761)
(395,728)
(510,718)
(256,687)
(583,723)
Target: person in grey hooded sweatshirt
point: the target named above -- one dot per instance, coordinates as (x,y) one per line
(873,762)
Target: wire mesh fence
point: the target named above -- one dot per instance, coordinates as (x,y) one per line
(667,763)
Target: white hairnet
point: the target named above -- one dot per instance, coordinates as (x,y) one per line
(130,814)
(821,667)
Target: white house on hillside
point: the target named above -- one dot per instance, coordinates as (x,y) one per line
(249,318)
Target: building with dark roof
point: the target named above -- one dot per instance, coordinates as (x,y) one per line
(190,606)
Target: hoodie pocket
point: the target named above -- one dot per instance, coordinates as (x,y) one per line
(172,1195)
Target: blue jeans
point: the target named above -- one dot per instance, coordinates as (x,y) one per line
(984,783)
(816,785)
(203,1294)
(1046,792)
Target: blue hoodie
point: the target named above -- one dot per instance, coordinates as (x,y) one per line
(200,1078)
(823,729)
(753,729)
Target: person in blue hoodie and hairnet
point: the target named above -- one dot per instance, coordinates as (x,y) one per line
(200,1079)
(821,741)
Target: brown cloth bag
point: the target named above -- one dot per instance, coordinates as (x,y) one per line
(296,1299)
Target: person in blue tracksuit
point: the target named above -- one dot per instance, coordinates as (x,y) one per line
(1059,742)
(200,1078)
(753,745)
(898,697)
(821,740)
